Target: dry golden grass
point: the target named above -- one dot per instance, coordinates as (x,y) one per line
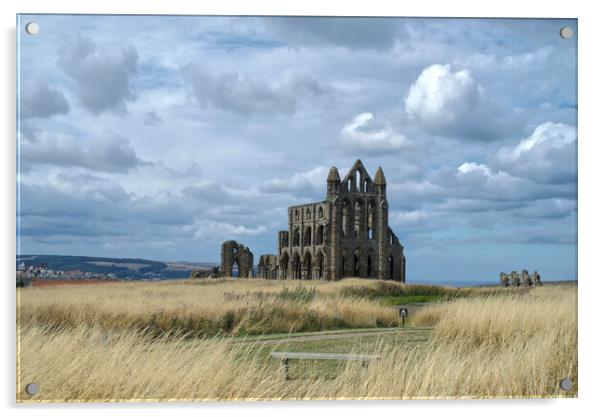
(520,345)
(204,307)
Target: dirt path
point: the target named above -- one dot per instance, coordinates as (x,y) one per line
(327,336)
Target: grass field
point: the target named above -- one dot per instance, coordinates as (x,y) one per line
(210,340)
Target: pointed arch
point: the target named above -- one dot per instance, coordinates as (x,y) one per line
(344,264)
(357,221)
(319,265)
(320,235)
(346,218)
(296,266)
(284,261)
(307,236)
(357,263)
(307,267)
(371,214)
(371,263)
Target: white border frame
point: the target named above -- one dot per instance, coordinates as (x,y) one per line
(590,32)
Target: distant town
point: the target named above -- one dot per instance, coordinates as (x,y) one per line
(43,272)
(49,269)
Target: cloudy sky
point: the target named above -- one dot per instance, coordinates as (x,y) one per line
(161,137)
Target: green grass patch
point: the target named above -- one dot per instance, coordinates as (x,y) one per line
(300,293)
(277,336)
(306,369)
(411,299)
(392,289)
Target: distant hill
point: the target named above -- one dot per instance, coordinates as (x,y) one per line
(121,267)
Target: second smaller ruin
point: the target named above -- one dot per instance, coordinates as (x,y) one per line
(523,279)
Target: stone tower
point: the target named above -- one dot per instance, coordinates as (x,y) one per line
(346,235)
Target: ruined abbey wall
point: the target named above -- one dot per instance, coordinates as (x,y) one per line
(345,235)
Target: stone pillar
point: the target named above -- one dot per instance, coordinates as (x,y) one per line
(334,271)
(382,236)
(402,273)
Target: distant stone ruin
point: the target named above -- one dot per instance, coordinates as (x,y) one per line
(234,253)
(523,279)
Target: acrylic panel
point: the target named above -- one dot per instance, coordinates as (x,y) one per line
(233,208)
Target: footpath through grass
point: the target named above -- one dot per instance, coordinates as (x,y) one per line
(345,342)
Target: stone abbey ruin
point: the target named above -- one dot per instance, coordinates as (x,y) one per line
(516,280)
(346,235)
(234,253)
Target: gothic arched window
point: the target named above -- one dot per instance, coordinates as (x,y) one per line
(307,236)
(357,211)
(345,218)
(320,235)
(371,219)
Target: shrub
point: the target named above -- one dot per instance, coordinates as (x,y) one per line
(392,289)
(299,293)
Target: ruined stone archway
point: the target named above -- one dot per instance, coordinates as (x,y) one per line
(234,253)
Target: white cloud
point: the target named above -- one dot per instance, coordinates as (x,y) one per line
(552,208)
(548,154)
(467,167)
(249,94)
(108,154)
(545,137)
(440,96)
(364,134)
(403,218)
(103,74)
(312,180)
(454,104)
(473,173)
(212,230)
(528,59)
(38,99)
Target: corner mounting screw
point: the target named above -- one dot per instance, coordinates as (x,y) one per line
(566,384)
(32,389)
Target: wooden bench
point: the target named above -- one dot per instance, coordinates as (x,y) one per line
(285,356)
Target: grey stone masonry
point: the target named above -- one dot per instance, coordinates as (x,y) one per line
(523,279)
(346,235)
(234,253)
